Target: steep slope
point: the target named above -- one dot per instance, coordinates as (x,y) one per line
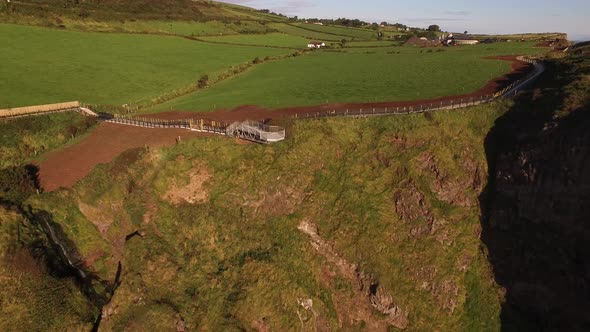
(138,9)
(350,224)
(537,202)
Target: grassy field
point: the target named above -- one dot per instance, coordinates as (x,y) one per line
(46,66)
(355,33)
(357,75)
(374,43)
(271,39)
(311,35)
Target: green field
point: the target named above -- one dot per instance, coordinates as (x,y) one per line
(46,66)
(373,43)
(271,39)
(312,35)
(355,33)
(50,65)
(357,75)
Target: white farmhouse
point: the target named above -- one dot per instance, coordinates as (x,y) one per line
(316,44)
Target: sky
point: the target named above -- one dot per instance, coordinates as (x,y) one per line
(475,16)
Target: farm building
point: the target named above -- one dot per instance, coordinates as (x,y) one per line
(422,42)
(316,44)
(460,40)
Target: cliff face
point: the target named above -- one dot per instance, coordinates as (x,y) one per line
(365,224)
(537,224)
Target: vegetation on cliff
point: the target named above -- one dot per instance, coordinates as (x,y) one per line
(210,234)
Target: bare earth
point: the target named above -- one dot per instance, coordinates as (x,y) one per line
(63,168)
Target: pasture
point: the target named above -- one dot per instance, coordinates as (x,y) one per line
(357,75)
(46,66)
(354,33)
(271,39)
(312,35)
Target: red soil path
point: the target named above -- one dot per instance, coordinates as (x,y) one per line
(251,112)
(65,167)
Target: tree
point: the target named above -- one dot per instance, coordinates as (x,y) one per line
(434,28)
(203,81)
(466,32)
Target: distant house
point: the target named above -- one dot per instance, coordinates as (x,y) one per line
(316,44)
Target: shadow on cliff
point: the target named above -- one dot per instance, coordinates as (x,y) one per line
(536,207)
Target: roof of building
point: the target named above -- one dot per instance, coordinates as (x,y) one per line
(464,38)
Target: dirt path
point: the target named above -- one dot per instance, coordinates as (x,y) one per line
(252,112)
(63,168)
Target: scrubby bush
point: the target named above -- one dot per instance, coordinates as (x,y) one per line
(203,81)
(17,183)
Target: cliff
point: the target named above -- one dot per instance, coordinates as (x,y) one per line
(538,202)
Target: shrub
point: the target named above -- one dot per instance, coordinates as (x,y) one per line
(203,81)
(17,183)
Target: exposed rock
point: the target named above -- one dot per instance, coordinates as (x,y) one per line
(369,292)
(538,202)
(281,200)
(446,294)
(453,190)
(192,193)
(180,325)
(411,207)
(102,217)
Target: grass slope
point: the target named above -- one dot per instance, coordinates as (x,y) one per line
(395,195)
(23,139)
(359,75)
(192,10)
(45,66)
